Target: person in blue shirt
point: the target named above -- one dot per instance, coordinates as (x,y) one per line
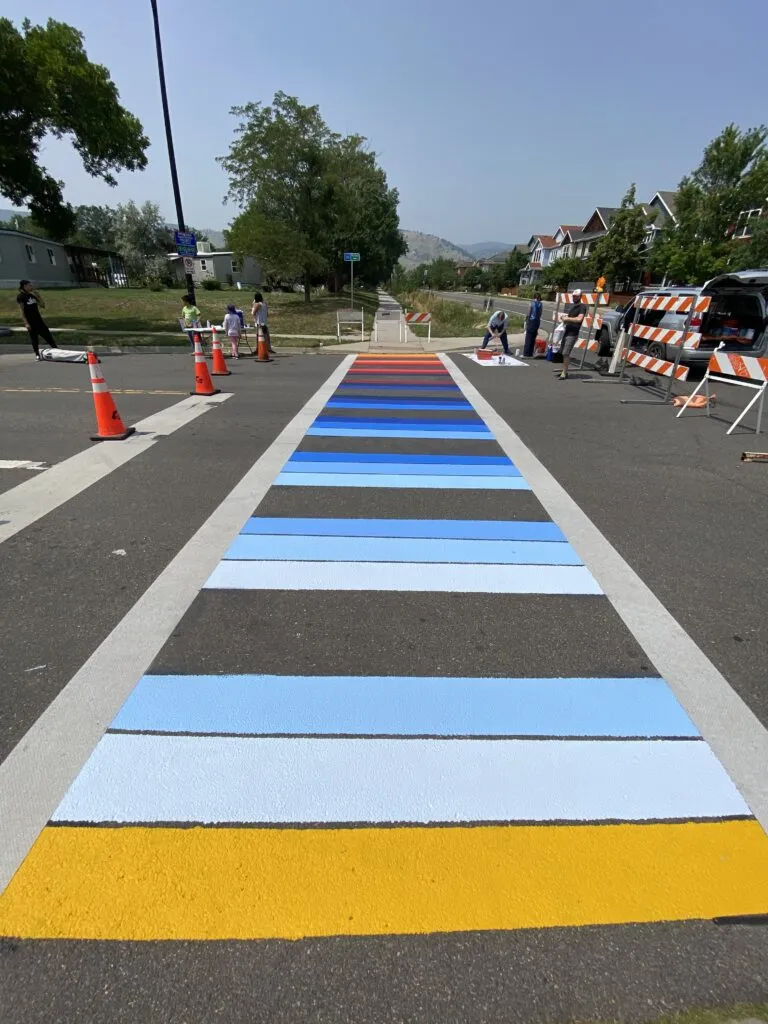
(497,328)
(532,322)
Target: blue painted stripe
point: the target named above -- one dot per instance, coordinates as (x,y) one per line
(404,576)
(451,435)
(376,403)
(416,460)
(491,483)
(402,387)
(401,549)
(465,529)
(404,706)
(396,468)
(251,780)
(421,422)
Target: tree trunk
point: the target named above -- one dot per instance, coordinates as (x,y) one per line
(307,287)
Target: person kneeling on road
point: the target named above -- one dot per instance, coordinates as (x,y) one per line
(497,328)
(573,319)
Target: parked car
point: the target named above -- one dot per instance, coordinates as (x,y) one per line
(737,318)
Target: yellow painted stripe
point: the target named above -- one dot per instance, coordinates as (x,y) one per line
(219,883)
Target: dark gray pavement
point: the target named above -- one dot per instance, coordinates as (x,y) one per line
(672,497)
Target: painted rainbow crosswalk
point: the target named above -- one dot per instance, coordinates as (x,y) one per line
(254,804)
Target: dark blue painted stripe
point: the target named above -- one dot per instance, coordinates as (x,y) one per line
(396,468)
(467,426)
(396,403)
(468,529)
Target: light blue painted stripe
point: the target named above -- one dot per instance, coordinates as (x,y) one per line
(397,576)
(416,460)
(452,435)
(401,549)
(362,403)
(465,529)
(488,483)
(421,422)
(214,779)
(397,468)
(404,706)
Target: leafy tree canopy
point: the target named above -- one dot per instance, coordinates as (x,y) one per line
(49,87)
(618,254)
(308,195)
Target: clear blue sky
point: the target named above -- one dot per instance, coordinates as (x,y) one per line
(494,120)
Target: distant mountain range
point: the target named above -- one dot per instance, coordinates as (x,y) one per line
(425,248)
(481,250)
(7,215)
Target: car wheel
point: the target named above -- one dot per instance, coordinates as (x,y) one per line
(604,338)
(656,351)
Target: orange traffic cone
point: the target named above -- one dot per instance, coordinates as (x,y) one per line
(108,423)
(219,363)
(203,382)
(262,348)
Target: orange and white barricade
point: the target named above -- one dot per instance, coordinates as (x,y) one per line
(593,319)
(416,320)
(688,338)
(742,371)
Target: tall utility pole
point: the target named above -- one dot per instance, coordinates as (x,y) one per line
(169,137)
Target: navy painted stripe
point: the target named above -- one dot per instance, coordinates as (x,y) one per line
(395,467)
(479,529)
(395,403)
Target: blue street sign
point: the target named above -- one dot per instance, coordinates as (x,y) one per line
(186,243)
(351,257)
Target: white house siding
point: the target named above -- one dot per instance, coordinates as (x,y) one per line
(16,264)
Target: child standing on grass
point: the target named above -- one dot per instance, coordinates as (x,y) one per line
(233,327)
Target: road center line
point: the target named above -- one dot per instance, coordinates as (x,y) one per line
(25,504)
(32,782)
(733,731)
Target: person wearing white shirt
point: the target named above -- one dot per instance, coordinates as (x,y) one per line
(497,328)
(233,326)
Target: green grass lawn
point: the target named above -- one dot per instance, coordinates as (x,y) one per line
(90,310)
(450,319)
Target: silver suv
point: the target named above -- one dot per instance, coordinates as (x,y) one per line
(737,318)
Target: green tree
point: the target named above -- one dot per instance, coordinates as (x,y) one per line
(560,273)
(441,274)
(48,87)
(279,169)
(143,240)
(473,277)
(308,195)
(618,254)
(94,225)
(732,177)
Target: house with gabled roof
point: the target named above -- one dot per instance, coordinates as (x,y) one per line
(541,248)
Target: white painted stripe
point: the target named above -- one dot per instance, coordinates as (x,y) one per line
(23,505)
(734,732)
(32,782)
(419,576)
(21,464)
(208,779)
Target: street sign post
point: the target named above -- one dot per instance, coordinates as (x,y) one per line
(186,243)
(189,265)
(352,258)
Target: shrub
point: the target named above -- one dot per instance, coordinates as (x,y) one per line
(212,285)
(155,285)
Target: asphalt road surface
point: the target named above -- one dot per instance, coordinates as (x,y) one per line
(378,690)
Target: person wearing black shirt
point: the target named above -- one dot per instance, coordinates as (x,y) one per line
(30,303)
(573,319)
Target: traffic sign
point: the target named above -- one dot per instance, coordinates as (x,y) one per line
(186,243)
(351,257)
(189,265)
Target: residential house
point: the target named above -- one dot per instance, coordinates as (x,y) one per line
(217,265)
(52,264)
(564,239)
(462,266)
(661,211)
(489,262)
(541,248)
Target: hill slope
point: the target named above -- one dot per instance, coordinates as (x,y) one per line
(425,248)
(481,250)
